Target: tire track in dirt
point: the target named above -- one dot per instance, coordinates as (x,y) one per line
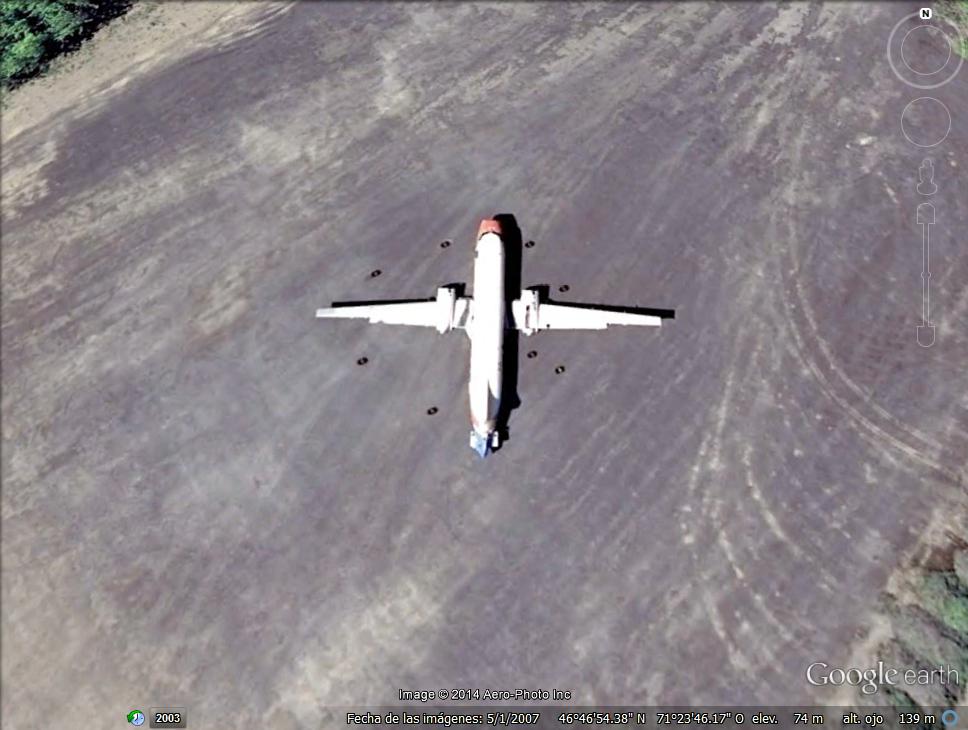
(878,426)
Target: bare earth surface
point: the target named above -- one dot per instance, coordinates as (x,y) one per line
(206,503)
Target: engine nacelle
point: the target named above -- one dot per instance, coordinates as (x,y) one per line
(530,304)
(446,304)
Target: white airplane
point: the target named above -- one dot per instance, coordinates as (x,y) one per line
(484,318)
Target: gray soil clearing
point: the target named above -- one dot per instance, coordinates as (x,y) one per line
(207,503)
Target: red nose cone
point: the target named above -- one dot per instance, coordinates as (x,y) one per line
(488,225)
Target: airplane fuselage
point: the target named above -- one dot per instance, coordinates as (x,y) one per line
(486,333)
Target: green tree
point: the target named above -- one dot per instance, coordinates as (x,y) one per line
(957,12)
(32,32)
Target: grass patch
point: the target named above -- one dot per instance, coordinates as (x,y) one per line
(34,32)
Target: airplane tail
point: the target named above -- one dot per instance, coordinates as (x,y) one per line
(484,444)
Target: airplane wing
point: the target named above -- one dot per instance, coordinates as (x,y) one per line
(445,312)
(532,316)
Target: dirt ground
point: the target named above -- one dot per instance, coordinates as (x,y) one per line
(208,504)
